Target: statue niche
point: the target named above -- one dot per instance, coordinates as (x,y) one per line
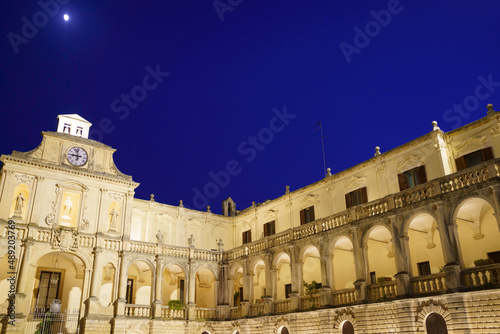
(20,202)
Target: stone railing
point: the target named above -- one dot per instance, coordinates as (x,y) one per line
(344,297)
(138,311)
(404,198)
(282,306)
(372,208)
(465,178)
(207,313)
(429,284)
(235,312)
(167,312)
(381,292)
(308,302)
(415,194)
(86,240)
(175,251)
(112,244)
(256,310)
(482,276)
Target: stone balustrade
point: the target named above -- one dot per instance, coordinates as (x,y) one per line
(137,311)
(344,296)
(167,312)
(282,306)
(482,276)
(383,291)
(207,313)
(256,310)
(428,284)
(235,312)
(311,301)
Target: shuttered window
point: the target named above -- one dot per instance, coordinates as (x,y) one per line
(269,228)
(356,197)
(412,178)
(247,237)
(474,158)
(307,215)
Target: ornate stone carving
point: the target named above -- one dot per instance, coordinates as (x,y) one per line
(28,179)
(345,315)
(354,182)
(116,196)
(495,130)
(470,144)
(66,239)
(440,143)
(432,306)
(410,162)
(310,199)
(51,217)
(271,214)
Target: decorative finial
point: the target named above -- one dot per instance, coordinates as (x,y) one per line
(377,150)
(208,208)
(287,191)
(152,197)
(490,109)
(435,126)
(180,203)
(329,172)
(191,241)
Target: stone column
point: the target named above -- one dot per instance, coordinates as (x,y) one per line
(269,275)
(296,267)
(92,306)
(23,277)
(325,291)
(361,267)
(158,278)
(401,259)
(122,286)
(274,282)
(191,306)
(447,235)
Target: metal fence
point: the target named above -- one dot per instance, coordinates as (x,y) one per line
(45,322)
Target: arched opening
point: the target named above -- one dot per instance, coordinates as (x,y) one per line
(381,264)
(478,232)
(20,201)
(435,324)
(283,277)
(259,281)
(58,276)
(173,284)
(425,245)
(139,282)
(106,295)
(311,268)
(237,297)
(283,330)
(347,328)
(205,288)
(344,272)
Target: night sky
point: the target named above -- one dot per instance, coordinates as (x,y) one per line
(189,91)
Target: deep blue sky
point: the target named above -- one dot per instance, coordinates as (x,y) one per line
(226,77)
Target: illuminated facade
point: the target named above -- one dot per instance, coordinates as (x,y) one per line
(405,242)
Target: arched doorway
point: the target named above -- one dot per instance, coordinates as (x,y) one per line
(173,284)
(435,324)
(344,273)
(205,288)
(139,283)
(347,328)
(283,277)
(259,281)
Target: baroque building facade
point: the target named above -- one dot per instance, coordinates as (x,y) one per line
(405,242)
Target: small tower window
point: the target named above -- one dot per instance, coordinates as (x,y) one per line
(79,130)
(67,128)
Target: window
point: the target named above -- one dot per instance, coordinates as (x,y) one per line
(48,290)
(288,290)
(495,256)
(67,128)
(240,298)
(474,158)
(347,328)
(435,324)
(247,237)
(356,197)
(424,268)
(373,277)
(307,215)
(79,130)
(181,290)
(412,178)
(130,289)
(269,228)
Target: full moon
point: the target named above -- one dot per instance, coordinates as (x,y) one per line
(66,17)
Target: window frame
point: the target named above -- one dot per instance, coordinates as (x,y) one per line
(307,215)
(420,174)
(57,289)
(246,237)
(424,268)
(486,154)
(349,197)
(269,228)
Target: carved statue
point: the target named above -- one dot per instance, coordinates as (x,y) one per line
(159,236)
(19,203)
(67,206)
(114,219)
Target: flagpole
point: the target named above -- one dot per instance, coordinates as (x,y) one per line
(322,146)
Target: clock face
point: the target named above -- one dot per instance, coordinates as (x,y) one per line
(77,156)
